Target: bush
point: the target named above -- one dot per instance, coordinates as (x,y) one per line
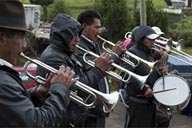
(57,7)
(115,17)
(155,16)
(185,35)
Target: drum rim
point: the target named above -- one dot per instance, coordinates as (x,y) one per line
(189,92)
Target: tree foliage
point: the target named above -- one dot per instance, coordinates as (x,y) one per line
(44,4)
(58,7)
(155,17)
(115,17)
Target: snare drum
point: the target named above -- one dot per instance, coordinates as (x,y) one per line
(179,97)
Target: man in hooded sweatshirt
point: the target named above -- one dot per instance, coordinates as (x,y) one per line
(139,95)
(64,36)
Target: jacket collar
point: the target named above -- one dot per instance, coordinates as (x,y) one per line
(6,63)
(90,42)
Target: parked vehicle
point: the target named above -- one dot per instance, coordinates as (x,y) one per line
(27,81)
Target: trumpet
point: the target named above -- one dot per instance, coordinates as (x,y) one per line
(172,47)
(164,41)
(109,100)
(128,35)
(112,73)
(138,59)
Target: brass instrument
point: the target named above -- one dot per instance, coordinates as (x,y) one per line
(112,73)
(149,64)
(128,35)
(109,100)
(172,47)
(164,41)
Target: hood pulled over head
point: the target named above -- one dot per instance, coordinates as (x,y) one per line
(63,28)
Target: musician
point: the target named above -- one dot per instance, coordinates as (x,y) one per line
(91,23)
(17,104)
(140,96)
(64,36)
(163,114)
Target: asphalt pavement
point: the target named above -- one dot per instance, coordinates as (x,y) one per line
(117,119)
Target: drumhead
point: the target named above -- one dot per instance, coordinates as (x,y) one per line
(172,97)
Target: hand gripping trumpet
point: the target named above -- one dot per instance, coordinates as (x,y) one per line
(149,64)
(109,100)
(112,73)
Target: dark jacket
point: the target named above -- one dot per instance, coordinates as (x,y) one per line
(17,108)
(134,87)
(101,85)
(57,54)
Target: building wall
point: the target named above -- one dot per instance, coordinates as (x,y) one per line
(32,14)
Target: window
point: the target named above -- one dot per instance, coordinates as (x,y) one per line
(36,17)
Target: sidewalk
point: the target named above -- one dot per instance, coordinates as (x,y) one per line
(116,119)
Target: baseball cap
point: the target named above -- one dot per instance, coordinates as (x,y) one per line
(157,30)
(152,36)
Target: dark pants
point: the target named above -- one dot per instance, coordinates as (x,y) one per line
(126,119)
(141,115)
(163,119)
(95,122)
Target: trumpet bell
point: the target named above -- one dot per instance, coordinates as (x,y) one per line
(110,101)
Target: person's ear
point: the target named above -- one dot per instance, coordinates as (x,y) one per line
(84,25)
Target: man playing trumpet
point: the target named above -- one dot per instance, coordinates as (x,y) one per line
(91,27)
(18,105)
(64,36)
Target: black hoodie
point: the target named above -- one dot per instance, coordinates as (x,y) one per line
(56,54)
(63,29)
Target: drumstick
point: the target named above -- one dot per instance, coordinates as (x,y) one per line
(163,82)
(163,65)
(165,90)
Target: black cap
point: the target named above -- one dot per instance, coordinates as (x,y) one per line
(145,31)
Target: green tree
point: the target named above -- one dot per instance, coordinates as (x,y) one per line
(115,17)
(155,17)
(58,7)
(44,4)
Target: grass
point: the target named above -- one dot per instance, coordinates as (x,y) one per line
(157,3)
(187,50)
(75,3)
(25,1)
(75,13)
(79,3)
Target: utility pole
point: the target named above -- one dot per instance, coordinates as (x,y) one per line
(134,10)
(143,14)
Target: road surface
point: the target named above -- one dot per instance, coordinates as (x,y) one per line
(116,119)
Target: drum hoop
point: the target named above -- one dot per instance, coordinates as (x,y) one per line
(189,95)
